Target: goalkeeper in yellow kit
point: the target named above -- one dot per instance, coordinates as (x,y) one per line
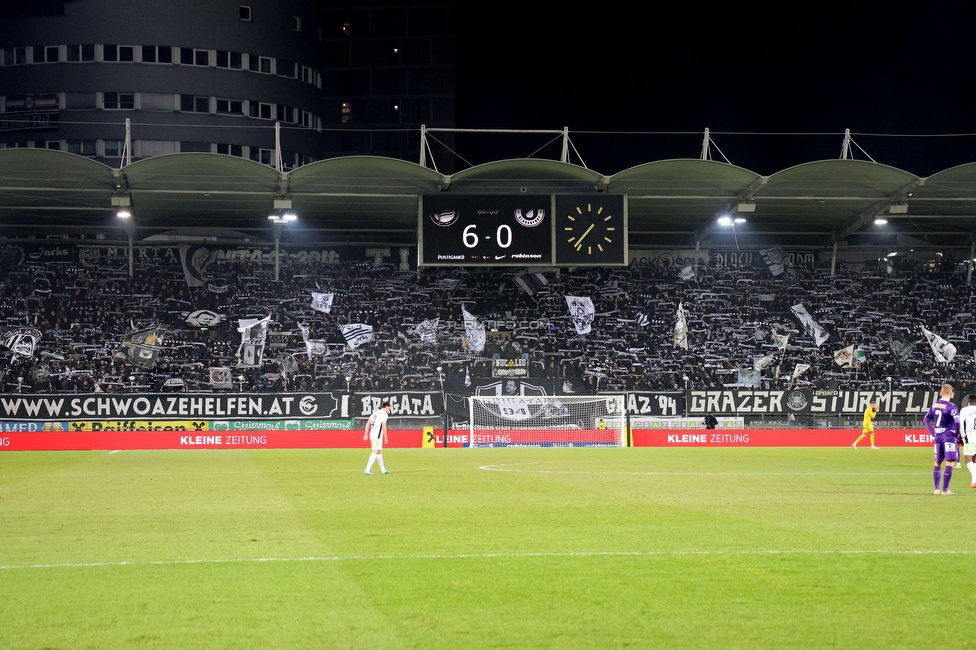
(867,425)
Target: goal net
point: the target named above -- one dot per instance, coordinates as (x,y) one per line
(550,421)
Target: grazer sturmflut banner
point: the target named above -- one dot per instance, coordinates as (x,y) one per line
(178,406)
(828,402)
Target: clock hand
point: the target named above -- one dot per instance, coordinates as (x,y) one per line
(579,242)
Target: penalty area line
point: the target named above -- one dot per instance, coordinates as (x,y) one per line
(490,556)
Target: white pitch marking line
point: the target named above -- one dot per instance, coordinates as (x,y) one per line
(114,452)
(477,556)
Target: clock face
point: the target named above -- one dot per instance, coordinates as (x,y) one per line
(590,231)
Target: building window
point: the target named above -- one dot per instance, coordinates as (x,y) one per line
(157,54)
(261,110)
(227,59)
(110,53)
(119,101)
(53,144)
(346,113)
(190,56)
(285,68)
(82,147)
(230,106)
(347,29)
(126,53)
(81,52)
(113,148)
(296,23)
(47,54)
(194,147)
(231,150)
(257,63)
(245,12)
(194,104)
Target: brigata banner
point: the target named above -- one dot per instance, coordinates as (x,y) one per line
(178,406)
(844,402)
(402,404)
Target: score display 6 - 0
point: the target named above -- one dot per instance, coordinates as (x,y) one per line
(480,230)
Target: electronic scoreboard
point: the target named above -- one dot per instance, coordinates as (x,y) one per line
(522,230)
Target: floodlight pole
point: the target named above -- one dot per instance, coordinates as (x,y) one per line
(277,229)
(130,227)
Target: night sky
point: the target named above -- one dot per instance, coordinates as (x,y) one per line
(777,86)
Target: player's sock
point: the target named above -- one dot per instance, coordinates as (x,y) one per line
(379,459)
(872,439)
(946,477)
(859,439)
(936,476)
(372,459)
(972,469)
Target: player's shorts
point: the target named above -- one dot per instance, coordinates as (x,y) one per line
(377,443)
(946,452)
(969,449)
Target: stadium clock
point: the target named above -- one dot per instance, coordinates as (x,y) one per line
(591,230)
(480,230)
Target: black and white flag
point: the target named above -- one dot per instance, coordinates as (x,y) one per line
(141,347)
(205,318)
(22,341)
(254,334)
(474,331)
(195,259)
(943,350)
(642,320)
(357,334)
(530,283)
(582,312)
(427,331)
(774,259)
(221,377)
(810,326)
(322,301)
(687,273)
(781,341)
(313,347)
(680,328)
(901,349)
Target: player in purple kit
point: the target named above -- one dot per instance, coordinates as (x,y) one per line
(942,421)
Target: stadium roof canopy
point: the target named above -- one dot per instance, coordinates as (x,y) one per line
(372,200)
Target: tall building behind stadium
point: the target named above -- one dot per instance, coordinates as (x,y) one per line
(219,76)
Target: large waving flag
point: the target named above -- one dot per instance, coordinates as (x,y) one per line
(357,334)
(582,312)
(474,331)
(141,347)
(322,301)
(943,350)
(681,328)
(254,334)
(810,326)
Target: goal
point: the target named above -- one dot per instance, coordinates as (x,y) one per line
(547,421)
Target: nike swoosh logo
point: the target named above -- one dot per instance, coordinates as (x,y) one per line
(500,257)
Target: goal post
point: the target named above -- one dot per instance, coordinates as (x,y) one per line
(547,421)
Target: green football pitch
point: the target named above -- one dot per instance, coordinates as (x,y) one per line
(488,548)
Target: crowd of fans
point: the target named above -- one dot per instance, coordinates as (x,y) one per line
(84,311)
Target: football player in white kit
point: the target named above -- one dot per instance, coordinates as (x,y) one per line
(967,431)
(376,433)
